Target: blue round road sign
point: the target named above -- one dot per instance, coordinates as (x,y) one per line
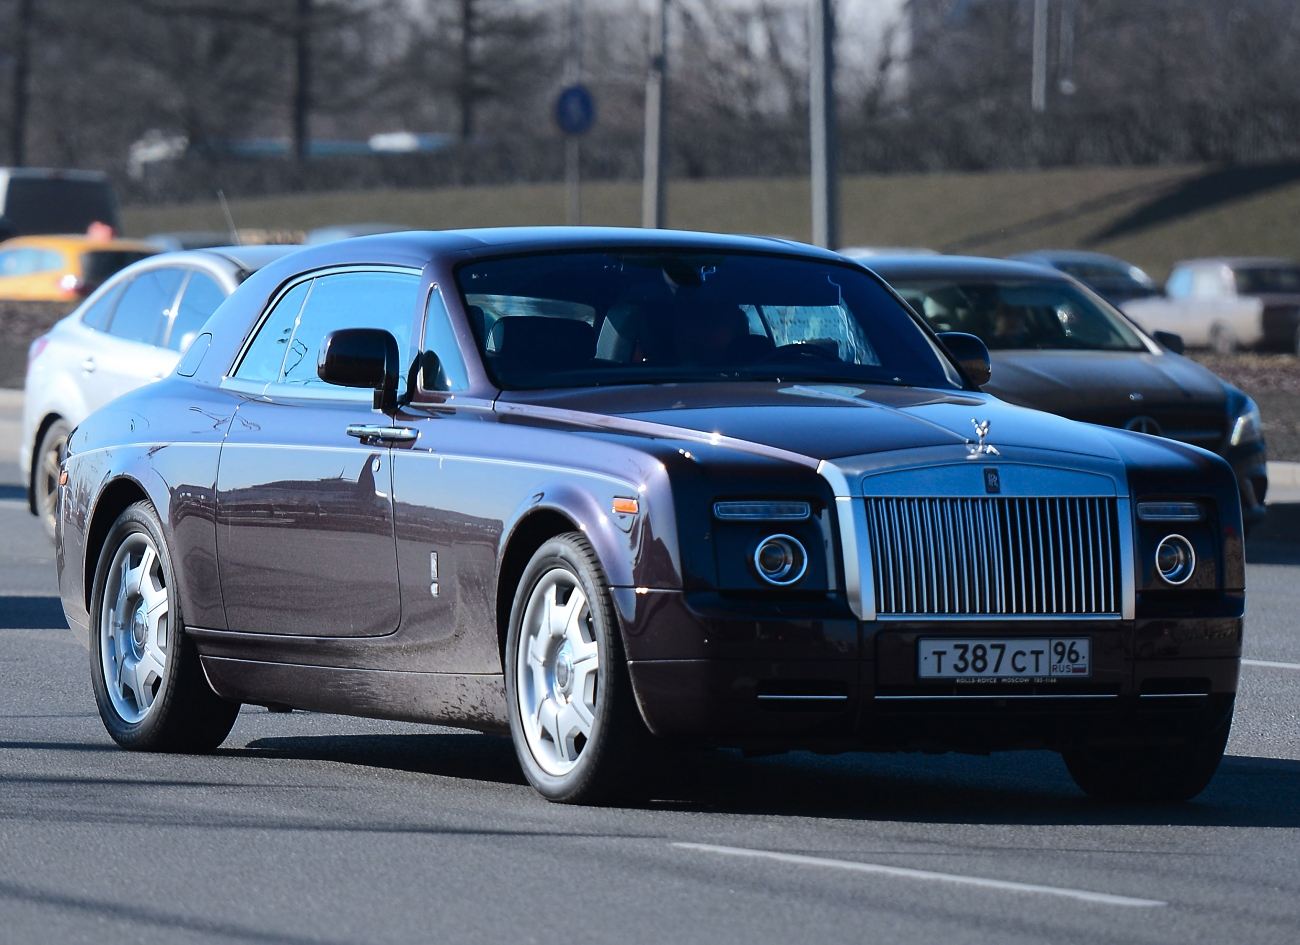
(575,111)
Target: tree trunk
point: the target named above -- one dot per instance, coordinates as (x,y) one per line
(302,84)
(467,78)
(22,73)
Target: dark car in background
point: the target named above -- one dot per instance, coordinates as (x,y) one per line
(36,201)
(1056,346)
(1113,279)
(599,487)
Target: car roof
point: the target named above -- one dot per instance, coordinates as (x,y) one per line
(417,248)
(248,258)
(74,243)
(959,267)
(1239,262)
(1069,256)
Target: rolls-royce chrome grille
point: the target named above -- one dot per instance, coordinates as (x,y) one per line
(995,556)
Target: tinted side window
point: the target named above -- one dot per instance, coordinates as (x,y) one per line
(265,355)
(201,298)
(96,267)
(440,341)
(97,315)
(349,300)
(145,308)
(25,262)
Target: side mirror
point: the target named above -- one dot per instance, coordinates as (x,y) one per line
(361,357)
(1169,340)
(971,353)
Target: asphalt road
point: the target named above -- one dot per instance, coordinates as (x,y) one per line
(315,828)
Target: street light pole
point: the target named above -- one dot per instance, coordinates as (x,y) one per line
(656,94)
(1038,95)
(821,103)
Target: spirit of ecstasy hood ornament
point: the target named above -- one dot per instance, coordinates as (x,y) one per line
(982,431)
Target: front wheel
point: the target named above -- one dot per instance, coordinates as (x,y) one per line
(149,687)
(1168,774)
(573,718)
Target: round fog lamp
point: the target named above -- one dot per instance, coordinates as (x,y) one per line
(1175,559)
(780,560)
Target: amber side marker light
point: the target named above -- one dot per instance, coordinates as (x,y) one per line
(63,478)
(624,506)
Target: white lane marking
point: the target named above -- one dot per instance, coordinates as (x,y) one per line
(1270,664)
(923,875)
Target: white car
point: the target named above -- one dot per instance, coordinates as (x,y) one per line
(1226,304)
(129,332)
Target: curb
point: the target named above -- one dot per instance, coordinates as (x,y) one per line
(1283,475)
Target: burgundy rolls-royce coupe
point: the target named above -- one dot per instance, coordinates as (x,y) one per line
(612,489)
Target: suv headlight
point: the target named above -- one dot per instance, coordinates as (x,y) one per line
(1247,428)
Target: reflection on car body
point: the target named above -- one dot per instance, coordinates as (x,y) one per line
(604,488)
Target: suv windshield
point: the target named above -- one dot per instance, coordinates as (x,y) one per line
(1014,314)
(587,319)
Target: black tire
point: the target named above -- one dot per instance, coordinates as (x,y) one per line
(606,765)
(183,714)
(47,462)
(1163,774)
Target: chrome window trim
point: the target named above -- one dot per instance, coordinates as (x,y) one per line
(294,283)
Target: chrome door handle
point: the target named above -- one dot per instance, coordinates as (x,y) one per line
(372,431)
(88,365)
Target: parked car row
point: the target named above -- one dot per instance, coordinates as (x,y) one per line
(1222,303)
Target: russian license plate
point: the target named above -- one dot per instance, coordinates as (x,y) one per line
(1005,659)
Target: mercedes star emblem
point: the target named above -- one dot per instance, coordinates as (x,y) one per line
(1144,425)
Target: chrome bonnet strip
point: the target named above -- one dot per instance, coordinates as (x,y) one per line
(859,584)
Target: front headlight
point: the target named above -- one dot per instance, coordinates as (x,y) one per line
(1247,427)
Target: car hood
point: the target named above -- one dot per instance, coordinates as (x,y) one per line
(814,420)
(1077,383)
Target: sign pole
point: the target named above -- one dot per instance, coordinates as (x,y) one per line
(652,189)
(821,101)
(572,181)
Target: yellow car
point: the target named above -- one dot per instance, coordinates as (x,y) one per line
(62,268)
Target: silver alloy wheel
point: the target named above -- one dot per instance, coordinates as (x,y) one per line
(134,631)
(557,668)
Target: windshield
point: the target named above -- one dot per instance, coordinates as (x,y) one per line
(1019,314)
(588,319)
(1264,281)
